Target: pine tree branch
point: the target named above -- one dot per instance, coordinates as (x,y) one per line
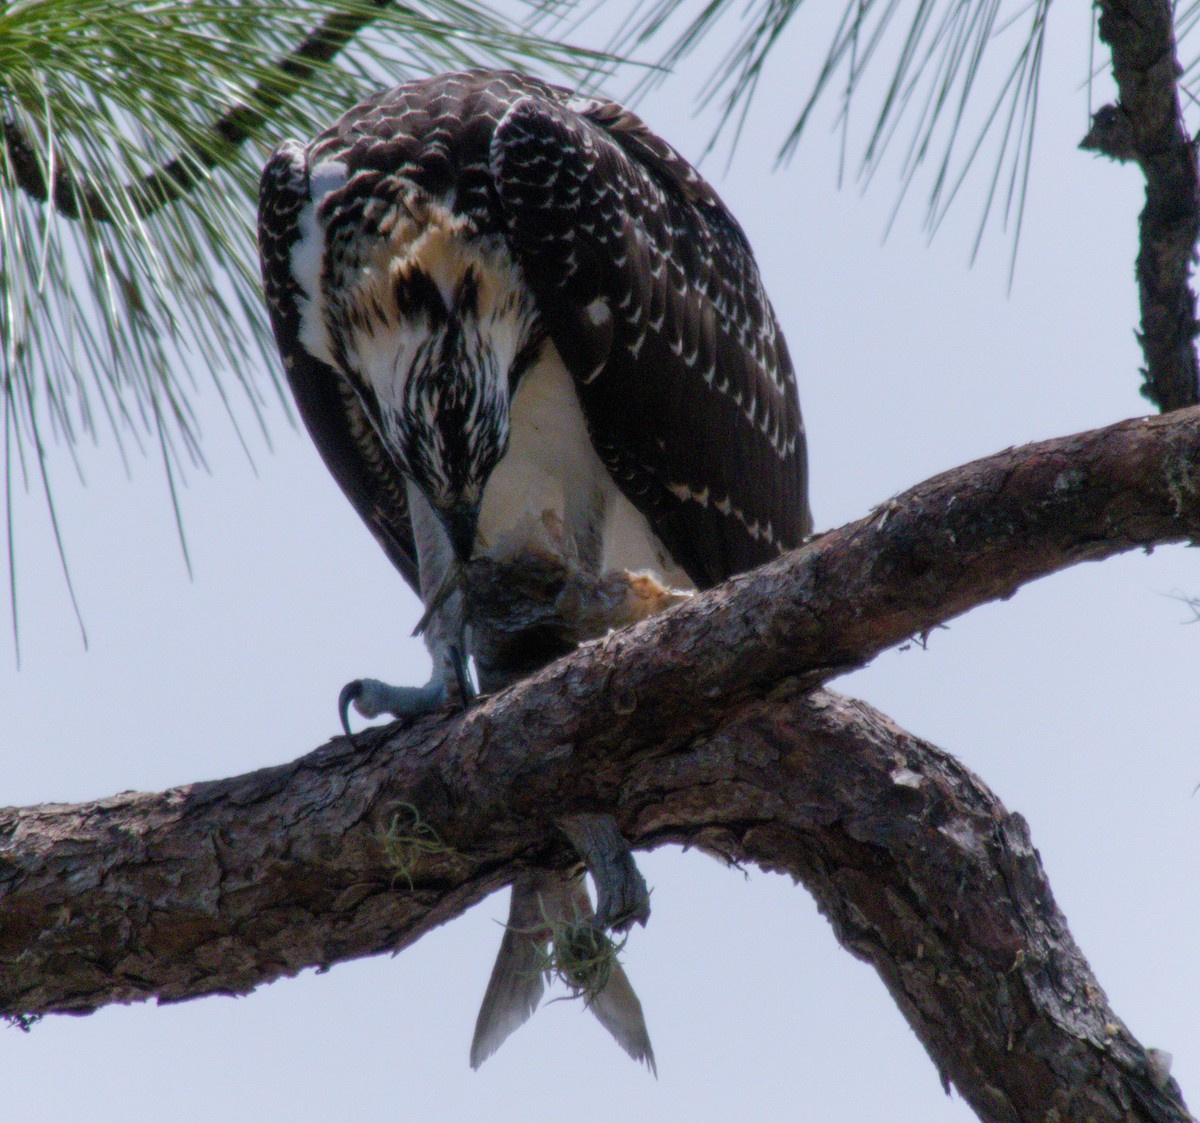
(698,726)
(75,195)
(1147,126)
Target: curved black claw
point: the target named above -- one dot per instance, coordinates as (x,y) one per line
(461,676)
(349,693)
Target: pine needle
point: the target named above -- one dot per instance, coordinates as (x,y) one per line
(132,139)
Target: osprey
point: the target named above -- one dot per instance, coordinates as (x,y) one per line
(499,303)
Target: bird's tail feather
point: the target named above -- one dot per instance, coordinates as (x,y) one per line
(542,900)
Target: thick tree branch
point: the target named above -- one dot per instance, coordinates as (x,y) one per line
(76,196)
(920,869)
(1147,126)
(692,727)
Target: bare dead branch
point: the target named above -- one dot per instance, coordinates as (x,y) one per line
(75,195)
(1147,126)
(700,727)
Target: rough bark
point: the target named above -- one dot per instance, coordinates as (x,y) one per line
(1147,126)
(920,869)
(698,727)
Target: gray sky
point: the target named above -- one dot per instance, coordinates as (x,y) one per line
(1076,701)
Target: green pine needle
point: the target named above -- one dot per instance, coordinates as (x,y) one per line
(957,78)
(133,137)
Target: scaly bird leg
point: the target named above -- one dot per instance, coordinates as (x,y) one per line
(622,898)
(450,683)
(451,582)
(370,698)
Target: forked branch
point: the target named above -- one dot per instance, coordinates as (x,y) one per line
(700,726)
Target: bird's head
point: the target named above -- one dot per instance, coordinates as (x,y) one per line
(438,325)
(449,427)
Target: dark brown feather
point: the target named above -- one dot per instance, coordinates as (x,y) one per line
(686,384)
(597,207)
(332,413)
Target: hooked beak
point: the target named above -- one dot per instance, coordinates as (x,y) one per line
(461,522)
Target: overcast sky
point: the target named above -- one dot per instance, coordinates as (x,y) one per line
(1076,701)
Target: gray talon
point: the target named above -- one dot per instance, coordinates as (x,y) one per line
(372,698)
(349,693)
(622,898)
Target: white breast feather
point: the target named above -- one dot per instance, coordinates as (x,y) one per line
(552,481)
(308,256)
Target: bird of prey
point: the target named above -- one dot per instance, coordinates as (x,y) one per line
(500,303)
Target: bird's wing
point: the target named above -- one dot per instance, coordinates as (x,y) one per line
(331,410)
(649,289)
(641,276)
